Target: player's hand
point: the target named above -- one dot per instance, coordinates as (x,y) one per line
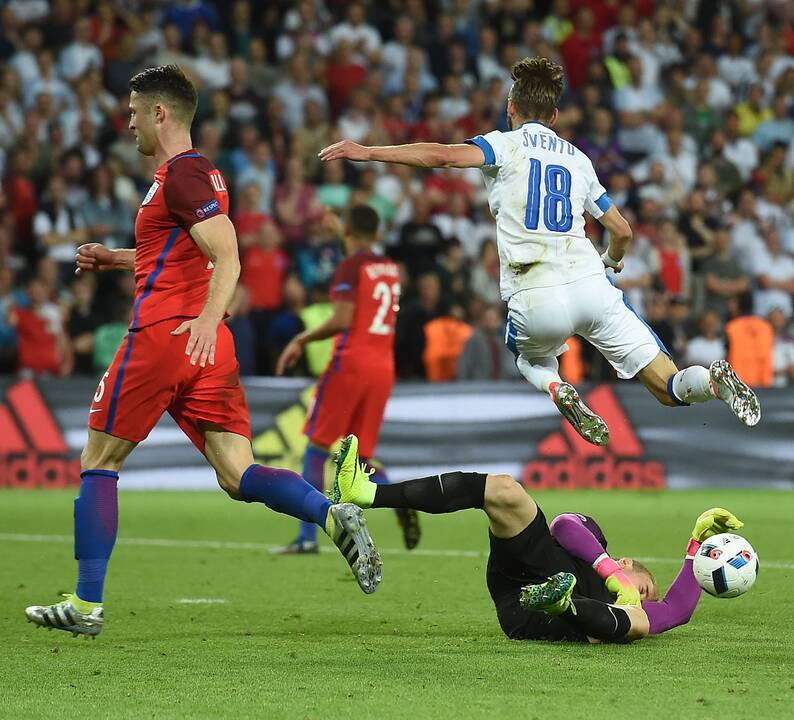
(619,584)
(201,343)
(713,522)
(610,262)
(93,257)
(344,150)
(289,356)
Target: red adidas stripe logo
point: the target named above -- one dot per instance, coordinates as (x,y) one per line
(566,460)
(33,451)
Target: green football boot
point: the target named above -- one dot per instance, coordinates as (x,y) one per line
(552,597)
(352,483)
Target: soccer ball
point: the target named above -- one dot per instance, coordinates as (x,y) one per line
(726,565)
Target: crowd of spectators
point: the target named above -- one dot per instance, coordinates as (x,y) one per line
(685,107)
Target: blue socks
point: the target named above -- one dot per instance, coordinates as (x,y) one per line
(313,473)
(284,491)
(96,522)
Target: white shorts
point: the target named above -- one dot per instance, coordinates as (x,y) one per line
(540,320)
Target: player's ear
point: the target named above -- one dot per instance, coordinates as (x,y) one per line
(159,113)
(554,117)
(626,563)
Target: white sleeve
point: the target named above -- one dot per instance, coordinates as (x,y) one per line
(493,147)
(41,224)
(597,201)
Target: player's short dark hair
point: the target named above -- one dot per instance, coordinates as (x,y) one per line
(169,85)
(537,88)
(363,221)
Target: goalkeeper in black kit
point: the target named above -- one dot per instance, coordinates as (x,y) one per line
(548,581)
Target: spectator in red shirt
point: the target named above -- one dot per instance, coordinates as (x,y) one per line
(42,346)
(580,47)
(673,259)
(249,218)
(263,268)
(342,75)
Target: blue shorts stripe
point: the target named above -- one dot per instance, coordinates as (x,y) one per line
(340,346)
(485,146)
(117,385)
(158,268)
(650,329)
(318,398)
(510,336)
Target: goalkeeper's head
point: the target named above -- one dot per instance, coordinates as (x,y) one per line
(641,578)
(162,100)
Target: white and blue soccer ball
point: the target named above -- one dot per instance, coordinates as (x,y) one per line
(726,565)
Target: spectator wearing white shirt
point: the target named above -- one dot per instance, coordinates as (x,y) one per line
(488,65)
(708,346)
(746,239)
(734,68)
(214,68)
(719,93)
(774,277)
(453,104)
(24,62)
(29,11)
(783,349)
(356,122)
(394,56)
(454,223)
(294,90)
(364,39)
(638,107)
(48,83)
(680,164)
(58,228)
(261,171)
(740,151)
(81,54)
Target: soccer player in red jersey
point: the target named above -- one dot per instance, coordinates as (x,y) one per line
(353,391)
(179,356)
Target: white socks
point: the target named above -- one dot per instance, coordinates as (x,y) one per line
(541,372)
(691,385)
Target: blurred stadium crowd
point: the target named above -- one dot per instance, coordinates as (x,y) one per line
(685,107)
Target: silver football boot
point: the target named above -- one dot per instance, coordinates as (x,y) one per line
(64,616)
(737,395)
(589,425)
(351,536)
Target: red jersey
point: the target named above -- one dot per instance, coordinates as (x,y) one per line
(171,273)
(263,274)
(372,282)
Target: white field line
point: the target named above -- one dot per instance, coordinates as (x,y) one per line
(201,601)
(262,547)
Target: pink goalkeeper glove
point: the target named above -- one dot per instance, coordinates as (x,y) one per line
(616,581)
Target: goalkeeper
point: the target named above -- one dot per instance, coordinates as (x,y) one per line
(547,582)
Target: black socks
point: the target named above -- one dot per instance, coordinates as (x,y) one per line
(597,619)
(435,494)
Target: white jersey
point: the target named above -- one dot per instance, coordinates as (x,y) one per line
(539,186)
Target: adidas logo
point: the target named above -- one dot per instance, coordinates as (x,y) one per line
(566,460)
(33,451)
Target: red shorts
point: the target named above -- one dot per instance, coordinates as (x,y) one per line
(349,402)
(150,374)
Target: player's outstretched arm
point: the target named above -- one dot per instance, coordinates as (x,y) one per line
(619,238)
(217,239)
(682,596)
(426,155)
(337,323)
(570,531)
(95,257)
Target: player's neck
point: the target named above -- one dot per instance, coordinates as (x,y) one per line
(172,146)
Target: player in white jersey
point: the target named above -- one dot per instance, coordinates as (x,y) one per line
(552,278)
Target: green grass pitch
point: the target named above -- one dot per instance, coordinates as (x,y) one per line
(293,637)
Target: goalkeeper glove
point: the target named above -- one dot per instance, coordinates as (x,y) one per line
(713,522)
(616,581)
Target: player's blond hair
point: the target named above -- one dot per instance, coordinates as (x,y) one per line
(537,87)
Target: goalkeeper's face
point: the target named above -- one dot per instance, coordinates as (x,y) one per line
(641,578)
(142,124)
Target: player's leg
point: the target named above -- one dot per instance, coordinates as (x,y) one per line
(287,492)
(314,458)
(509,508)
(365,424)
(128,402)
(538,324)
(697,384)
(596,620)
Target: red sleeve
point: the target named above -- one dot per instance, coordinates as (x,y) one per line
(345,282)
(189,192)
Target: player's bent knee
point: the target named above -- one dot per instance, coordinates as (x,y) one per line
(640,626)
(504,493)
(230,484)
